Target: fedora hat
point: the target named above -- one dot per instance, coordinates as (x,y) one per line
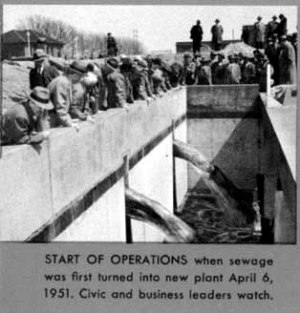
(41,97)
(113,62)
(39,54)
(78,67)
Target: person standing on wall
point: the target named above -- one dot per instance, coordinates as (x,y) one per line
(217,33)
(196,36)
(111,45)
(282,26)
(272,28)
(259,33)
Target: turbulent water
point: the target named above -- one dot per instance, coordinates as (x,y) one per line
(206,210)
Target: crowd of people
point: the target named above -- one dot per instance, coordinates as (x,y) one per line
(218,69)
(273,46)
(63,95)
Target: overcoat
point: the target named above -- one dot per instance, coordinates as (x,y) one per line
(19,126)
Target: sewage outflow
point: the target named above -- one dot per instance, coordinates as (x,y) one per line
(214,211)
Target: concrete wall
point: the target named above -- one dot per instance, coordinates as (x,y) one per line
(233,129)
(278,165)
(223,126)
(181,166)
(152,176)
(103,221)
(71,187)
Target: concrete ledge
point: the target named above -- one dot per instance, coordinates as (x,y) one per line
(37,185)
(221,98)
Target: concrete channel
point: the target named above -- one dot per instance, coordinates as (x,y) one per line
(72,188)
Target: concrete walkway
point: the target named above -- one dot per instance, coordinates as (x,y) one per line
(283,119)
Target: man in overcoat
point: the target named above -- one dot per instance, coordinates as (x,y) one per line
(42,73)
(259,33)
(111,45)
(196,36)
(116,86)
(287,62)
(25,122)
(217,33)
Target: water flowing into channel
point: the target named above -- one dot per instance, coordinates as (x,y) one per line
(217,210)
(144,209)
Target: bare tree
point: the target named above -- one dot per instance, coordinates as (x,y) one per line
(83,42)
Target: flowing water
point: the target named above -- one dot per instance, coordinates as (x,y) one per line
(214,216)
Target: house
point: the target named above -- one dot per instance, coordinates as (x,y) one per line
(22,43)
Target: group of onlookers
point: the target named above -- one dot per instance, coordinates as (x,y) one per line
(273,30)
(217,69)
(196,34)
(62,95)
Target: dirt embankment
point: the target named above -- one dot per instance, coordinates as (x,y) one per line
(15,76)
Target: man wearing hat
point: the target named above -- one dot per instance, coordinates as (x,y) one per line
(140,82)
(68,94)
(217,33)
(111,45)
(196,35)
(287,62)
(248,71)
(42,73)
(271,52)
(272,27)
(259,33)
(116,85)
(189,67)
(234,71)
(282,26)
(203,72)
(26,122)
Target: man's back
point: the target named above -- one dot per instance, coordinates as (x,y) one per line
(196,32)
(116,86)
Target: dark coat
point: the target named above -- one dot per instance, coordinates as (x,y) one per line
(282,27)
(217,32)
(19,126)
(272,28)
(203,75)
(259,32)
(112,48)
(287,64)
(79,103)
(196,33)
(60,95)
(48,74)
(116,90)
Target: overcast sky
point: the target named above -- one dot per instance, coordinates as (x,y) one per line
(159,27)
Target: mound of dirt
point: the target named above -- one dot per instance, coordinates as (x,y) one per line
(15,81)
(239,47)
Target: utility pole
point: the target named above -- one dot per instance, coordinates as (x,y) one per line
(135,40)
(28,41)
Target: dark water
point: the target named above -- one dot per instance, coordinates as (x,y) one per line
(206,208)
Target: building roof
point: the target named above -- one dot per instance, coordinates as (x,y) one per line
(20,36)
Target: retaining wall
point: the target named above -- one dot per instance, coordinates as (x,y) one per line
(71,186)
(245,134)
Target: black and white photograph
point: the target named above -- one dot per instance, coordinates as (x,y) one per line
(148,123)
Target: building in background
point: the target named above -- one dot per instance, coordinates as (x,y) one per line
(22,43)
